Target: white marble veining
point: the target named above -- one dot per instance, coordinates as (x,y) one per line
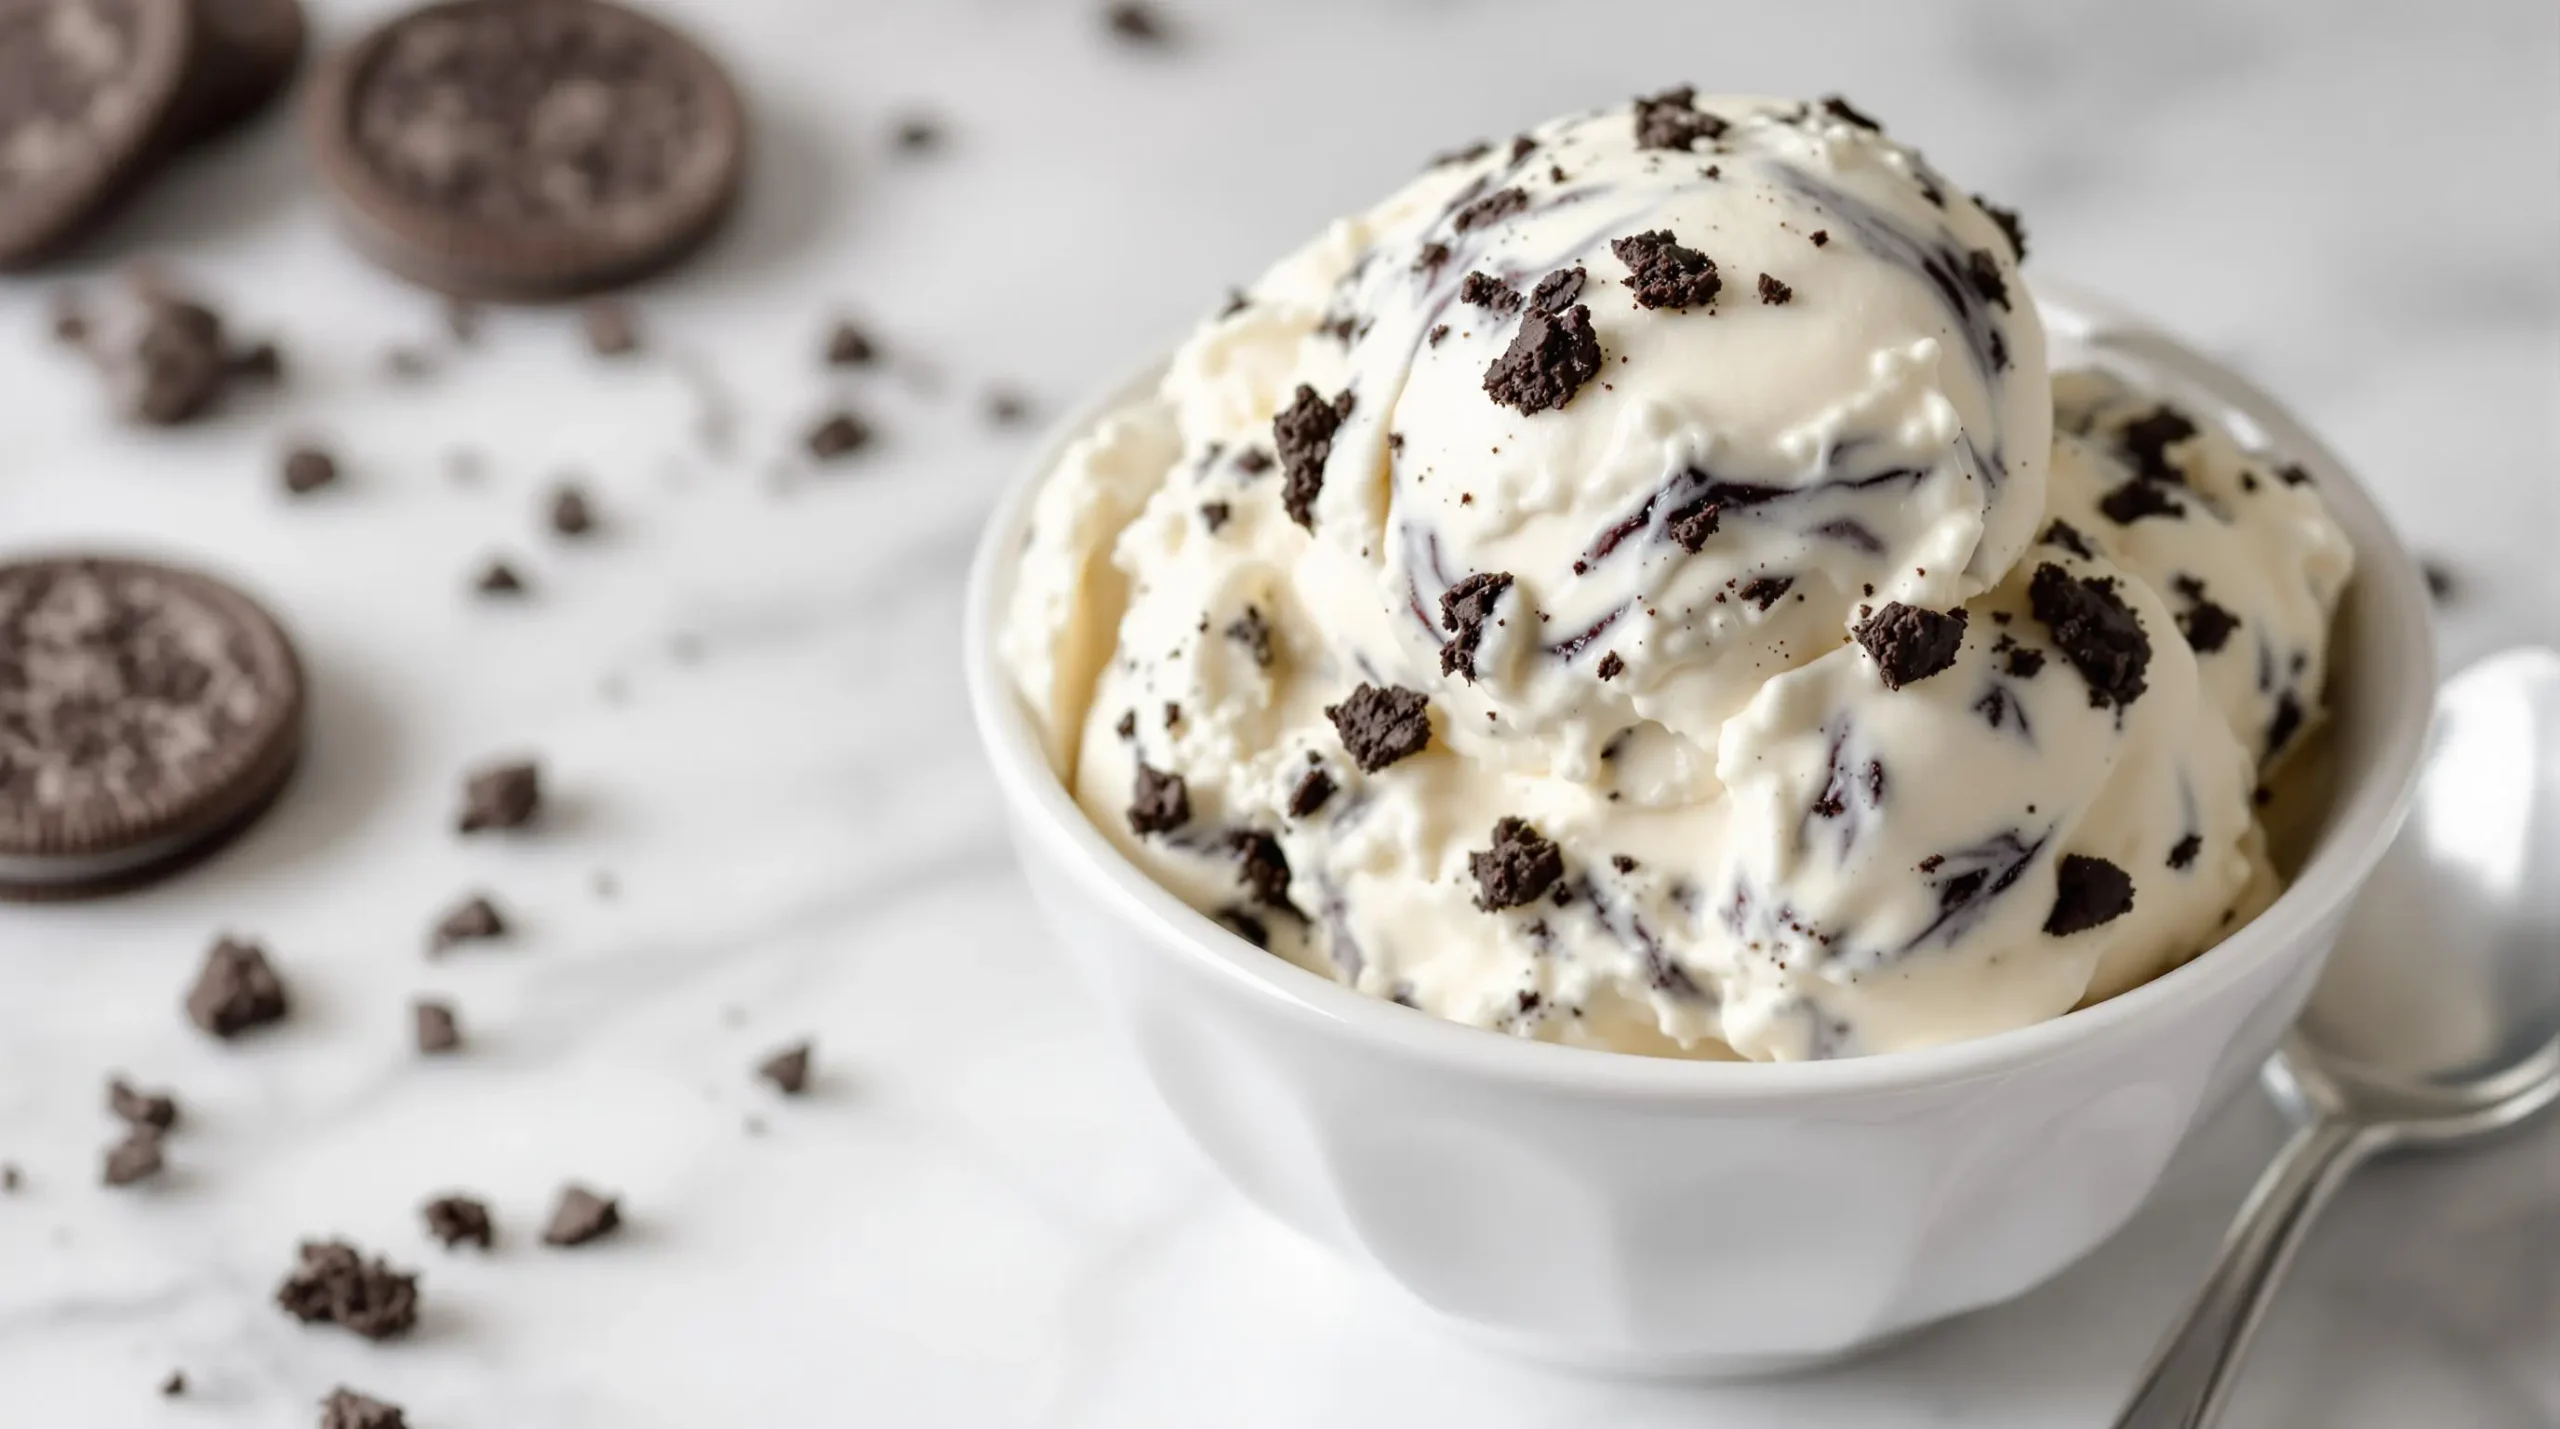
(746,693)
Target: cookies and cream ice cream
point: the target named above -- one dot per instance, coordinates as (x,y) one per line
(1639,586)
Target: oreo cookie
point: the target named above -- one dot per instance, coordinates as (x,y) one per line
(87,90)
(147,714)
(247,52)
(528,149)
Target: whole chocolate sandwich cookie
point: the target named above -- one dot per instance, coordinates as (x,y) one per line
(87,88)
(247,52)
(146,714)
(528,149)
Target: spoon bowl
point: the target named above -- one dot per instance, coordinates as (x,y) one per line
(2436,1022)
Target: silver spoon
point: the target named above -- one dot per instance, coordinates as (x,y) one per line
(2436,1023)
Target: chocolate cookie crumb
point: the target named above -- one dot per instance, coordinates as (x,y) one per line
(1253,461)
(1380,726)
(1314,788)
(2025,664)
(2442,584)
(1478,290)
(260,362)
(1007,408)
(1160,802)
(2095,630)
(498,578)
(1910,644)
(2007,220)
(2286,723)
(1431,258)
(611,329)
(307,469)
(571,513)
(1556,291)
(1136,23)
(1548,361)
(2294,474)
(1821,237)
(849,346)
(346,1409)
(788,1069)
(175,1385)
(581,1216)
(1840,109)
(1765,591)
(10,1178)
(1465,608)
(2139,498)
(2207,626)
(1263,868)
(2087,892)
(2147,440)
(1622,863)
(473,920)
(1775,293)
(1303,435)
(1611,667)
(918,134)
(453,1220)
(1671,120)
(501,796)
(1520,867)
(837,435)
(156,1110)
(1127,728)
(2068,537)
(438,1029)
(1244,925)
(136,1158)
(1983,272)
(1438,332)
(336,1285)
(1252,632)
(1692,527)
(2184,852)
(1664,274)
(1214,514)
(236,990)
(1492,208)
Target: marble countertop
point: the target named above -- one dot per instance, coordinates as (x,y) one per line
(771,821)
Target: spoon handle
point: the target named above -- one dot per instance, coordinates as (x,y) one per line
(2192,1372)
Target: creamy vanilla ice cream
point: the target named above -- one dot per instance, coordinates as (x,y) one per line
(1640,587)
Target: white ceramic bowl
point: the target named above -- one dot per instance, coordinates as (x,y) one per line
(1646,1215)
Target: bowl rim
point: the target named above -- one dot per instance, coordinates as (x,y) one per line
(2374,801)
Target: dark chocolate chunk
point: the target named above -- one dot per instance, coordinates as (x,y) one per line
(498,578)
(1262,867)
(236,990)
(2068,537)
(788,1069)
(1840,109)
(1548,361)
(2095,630)
(1692,527)
(1465,609)
(1664,274)
(1910,644)
(571,513)
(1492,208)
(156,1110)
(2007,219)
(1303,435)
(2207,626)
(136,1158)
(837,435)
(346,1409)
(1671,120)
(2147,440)
(2139,498)
(455,1220)
(611,330)
(307,469)
(1557,291)
(1775,293)
(2184,852)
(1982,270)
(2087,892)
(1214,515)
(1611,667)
(1314,788)
(1252,632)
(580,1216)
(472,920)
(1160,802)
(1520,867)
(2286,723)
(500,796)
(1484,292)
(437,1028)
(1380,726)
(336,1285)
